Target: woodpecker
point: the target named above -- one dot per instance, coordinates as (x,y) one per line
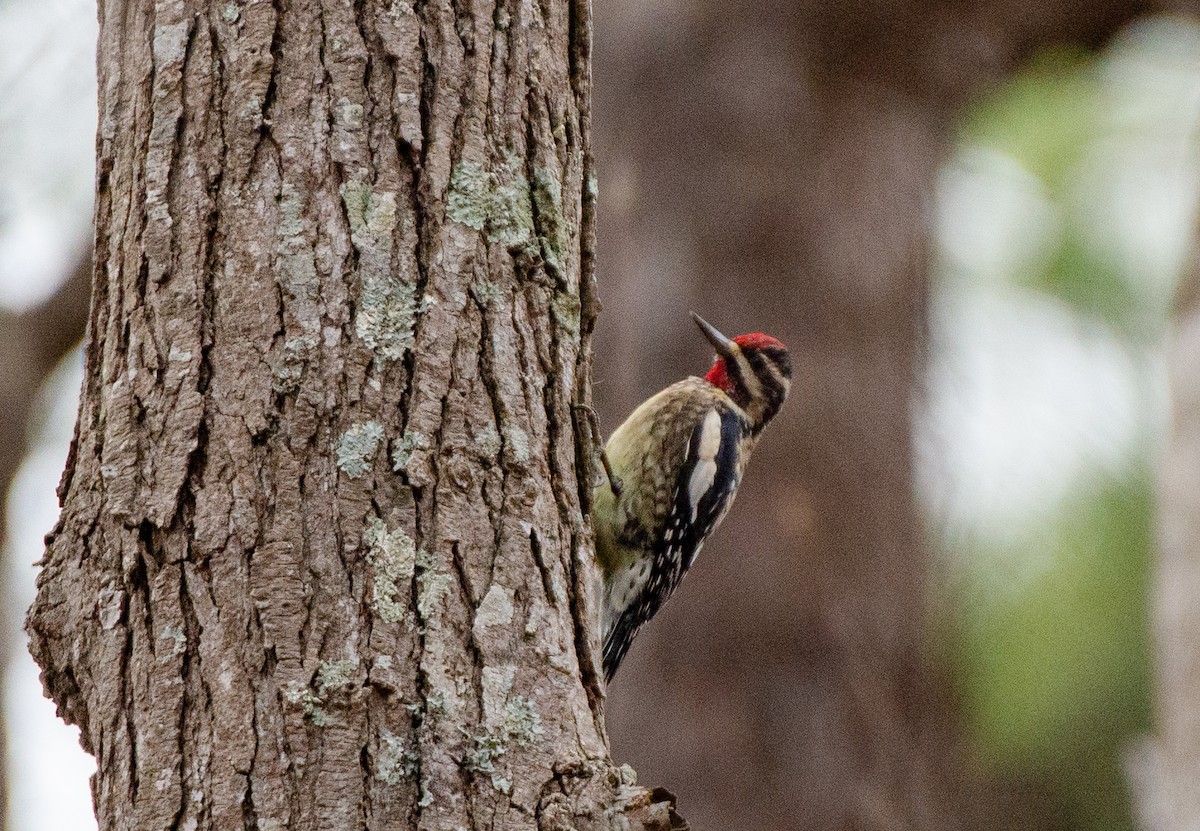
(673,469)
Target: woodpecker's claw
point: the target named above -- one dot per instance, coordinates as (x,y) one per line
(614,481)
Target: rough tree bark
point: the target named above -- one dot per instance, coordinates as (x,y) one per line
(322,561)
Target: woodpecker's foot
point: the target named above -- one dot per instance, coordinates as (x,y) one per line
(614,481)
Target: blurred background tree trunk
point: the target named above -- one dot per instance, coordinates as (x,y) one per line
(773,167)
(1165,769)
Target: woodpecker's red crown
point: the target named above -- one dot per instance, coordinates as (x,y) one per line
(757,340)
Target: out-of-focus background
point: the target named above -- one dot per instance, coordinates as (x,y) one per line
(932,605)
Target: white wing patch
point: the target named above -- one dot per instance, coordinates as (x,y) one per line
(705,470)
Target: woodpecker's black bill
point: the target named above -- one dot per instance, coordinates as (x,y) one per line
(724,346)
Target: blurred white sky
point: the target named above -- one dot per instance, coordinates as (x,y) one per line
(48,771)
(1025,395)
(47,140)
(47,135)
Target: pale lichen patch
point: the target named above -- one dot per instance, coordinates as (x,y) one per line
(393,556)
(331,677)
(335,675)
(547,197)
(387,309)
(426,795)
(308,701)
(495,202)
(432,585)
(521,725)
(517,441)
(357,446)
(396,761)
(410,442)
(386,316)
(371,213)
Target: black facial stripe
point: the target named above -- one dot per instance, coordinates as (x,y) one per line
(781,359)
(765,363)
(735,376)
(762,364)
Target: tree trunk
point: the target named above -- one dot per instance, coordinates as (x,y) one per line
(322,561)
(1165,770)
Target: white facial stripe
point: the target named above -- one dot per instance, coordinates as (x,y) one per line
(748,378)
(777,377)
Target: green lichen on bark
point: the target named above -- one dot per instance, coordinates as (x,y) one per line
(522,724)
(432,585)
(289,362)
(547,197)
(357,447)
(393,556)
(386,313)
(386,316)
(396,762)
(331,677)
(335,675)
(372,214)
(495,202)
(409,443)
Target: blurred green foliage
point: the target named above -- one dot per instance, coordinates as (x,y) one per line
(1051,118)
(1054,668)
(1049,641)
(1045,116)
